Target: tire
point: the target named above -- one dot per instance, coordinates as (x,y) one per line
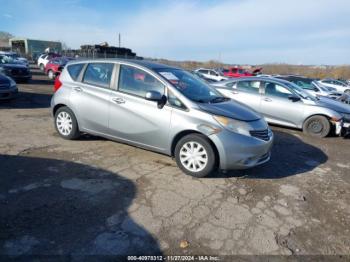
(42,67)
(205,159)
(317,126)
(51,75)
(347,91)
(69,128)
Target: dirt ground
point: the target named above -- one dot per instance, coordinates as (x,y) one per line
(94,196)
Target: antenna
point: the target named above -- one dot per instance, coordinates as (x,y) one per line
(119,39)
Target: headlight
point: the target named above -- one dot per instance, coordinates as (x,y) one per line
(233,125)
(12,83)
(346,117)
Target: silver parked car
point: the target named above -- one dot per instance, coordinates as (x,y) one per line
(284,103)
(160,108)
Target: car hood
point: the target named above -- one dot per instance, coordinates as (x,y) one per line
(14,66)
(231,109)
(4,79)
(334,105)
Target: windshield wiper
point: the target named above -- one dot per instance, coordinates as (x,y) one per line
(198,100)
(218,99)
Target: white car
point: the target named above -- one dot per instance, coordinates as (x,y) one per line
(338,85)
(211,74)
(43,60)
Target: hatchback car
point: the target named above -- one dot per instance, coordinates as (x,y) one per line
(284,103)
(161,108)
(55,65)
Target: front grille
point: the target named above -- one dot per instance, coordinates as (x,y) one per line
(4,86)
(261,134)
(19,72)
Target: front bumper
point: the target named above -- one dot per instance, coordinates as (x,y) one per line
(345,129)
(241,152)
(8,94)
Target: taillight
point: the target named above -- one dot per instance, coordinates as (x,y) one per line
(57,84)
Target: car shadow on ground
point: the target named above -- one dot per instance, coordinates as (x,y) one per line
(289,156)
(41,82)
(59,207)
(27,100)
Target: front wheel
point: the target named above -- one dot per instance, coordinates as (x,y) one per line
(66,124)
(51,75)
(317,126)
(42,67)
(195,155)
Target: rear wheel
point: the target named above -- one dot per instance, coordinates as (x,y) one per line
(195,155)
(317,126)
(66,124)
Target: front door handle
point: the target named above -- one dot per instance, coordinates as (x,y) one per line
(234,92)
(118,100)
(267,99)
(78,89)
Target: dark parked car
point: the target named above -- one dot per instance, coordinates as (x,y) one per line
(8,88)
(13,69)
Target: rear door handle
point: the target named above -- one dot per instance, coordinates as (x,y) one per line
(78,89)
(234,92)
(118,100)
(267,99)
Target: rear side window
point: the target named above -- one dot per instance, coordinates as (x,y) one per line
(74,70)
(249,86)
(98,74)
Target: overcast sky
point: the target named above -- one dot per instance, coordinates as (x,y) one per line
(236,31)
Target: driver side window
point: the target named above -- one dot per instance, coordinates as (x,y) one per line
(272,89)
(137,82)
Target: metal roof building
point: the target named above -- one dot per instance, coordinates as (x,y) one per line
(31,47)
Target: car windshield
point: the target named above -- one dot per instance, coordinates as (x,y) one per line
(7,60)
(303,83)
(191,86)
(299,91)
(323,88)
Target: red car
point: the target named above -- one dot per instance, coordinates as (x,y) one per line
(239,72)
(55,66)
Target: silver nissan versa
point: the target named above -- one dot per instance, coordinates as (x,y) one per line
(160,108)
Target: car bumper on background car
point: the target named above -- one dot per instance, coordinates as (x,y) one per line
(241,152)
(8,94)
(345,129)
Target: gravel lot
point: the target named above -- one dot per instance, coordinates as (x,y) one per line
(94,196)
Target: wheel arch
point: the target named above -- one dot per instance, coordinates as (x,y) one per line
(321,114)
(58,106)
(188,132)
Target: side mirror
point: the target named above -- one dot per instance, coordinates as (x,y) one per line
(316,89)
(294,98)
(157,97)
(153,96)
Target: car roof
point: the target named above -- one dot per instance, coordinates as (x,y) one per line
(144,63)
(254,78)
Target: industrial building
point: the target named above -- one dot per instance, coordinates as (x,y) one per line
(31,48)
